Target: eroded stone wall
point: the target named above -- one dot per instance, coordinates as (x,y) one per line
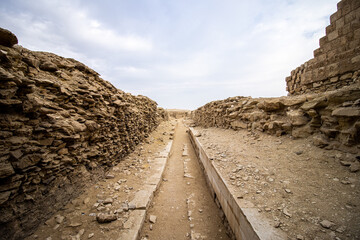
(332,117)
(336,62)
(61,126)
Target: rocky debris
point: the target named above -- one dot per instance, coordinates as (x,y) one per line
(333,124)
(105,217)
(7,38)
(59,219)
(327,224)
(62,126)
(152,219)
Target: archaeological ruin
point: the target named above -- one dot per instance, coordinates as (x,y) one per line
(66,131)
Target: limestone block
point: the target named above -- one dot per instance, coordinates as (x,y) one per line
(297,117)
(238,124)
(346,112)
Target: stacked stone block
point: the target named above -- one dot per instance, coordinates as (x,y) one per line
(336,62)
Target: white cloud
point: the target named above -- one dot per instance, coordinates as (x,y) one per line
(176,54)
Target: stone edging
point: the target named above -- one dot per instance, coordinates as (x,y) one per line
(143,197)
(242,216)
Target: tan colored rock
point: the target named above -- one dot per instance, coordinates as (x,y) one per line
(238,124)
(346,112)
(297,117)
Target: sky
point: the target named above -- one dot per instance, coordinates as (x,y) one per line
(180,53)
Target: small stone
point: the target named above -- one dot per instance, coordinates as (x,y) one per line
(86,200)
(91,235)
(287,190)
(151,227)
(327,224)
(299,237)
(299,153)
(286,212)
(341,229)
(108,201)
(59,219)
(81,232)
(75,224)
(345,163)
(355,166)
(109,176)
(267,209)
(105,217)
(152,218)
(258,192)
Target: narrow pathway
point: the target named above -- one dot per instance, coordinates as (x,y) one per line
(183,207)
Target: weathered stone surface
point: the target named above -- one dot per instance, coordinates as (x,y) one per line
(7,38)
(346,112)
(337,62)
(6,169)
(62,126)
(302,116)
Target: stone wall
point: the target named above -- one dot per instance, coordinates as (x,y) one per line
(61,127)
(178,113)
(337,61)
(333,117)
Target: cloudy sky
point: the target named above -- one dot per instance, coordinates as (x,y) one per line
(180,53)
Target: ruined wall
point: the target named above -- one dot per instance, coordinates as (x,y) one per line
(178,113)
(332,117)
(61,126)
(337,61)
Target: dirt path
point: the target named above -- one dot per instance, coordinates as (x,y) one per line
(183,205)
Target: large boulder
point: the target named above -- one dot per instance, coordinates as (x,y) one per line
(7,38)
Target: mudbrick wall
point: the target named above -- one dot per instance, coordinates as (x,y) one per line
(337,60)
(61,127)
(324,92)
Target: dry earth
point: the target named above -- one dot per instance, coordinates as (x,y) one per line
(308,192)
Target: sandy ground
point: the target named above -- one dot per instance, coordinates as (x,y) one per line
(305,191)
(183,206)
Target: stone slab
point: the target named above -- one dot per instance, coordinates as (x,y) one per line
(243,218)
(143,197)
(133,225)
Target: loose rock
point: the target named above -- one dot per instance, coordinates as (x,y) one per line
(105,217)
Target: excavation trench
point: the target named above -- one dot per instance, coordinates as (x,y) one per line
(183,205)
(170,181)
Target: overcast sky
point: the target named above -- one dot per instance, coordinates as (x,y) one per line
(180,53)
